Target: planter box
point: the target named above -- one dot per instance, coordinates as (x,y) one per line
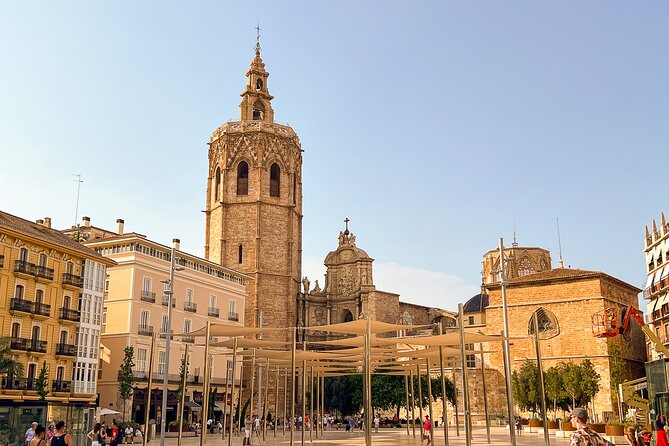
(567,427)
(553,425)
(615,431)
(598,427)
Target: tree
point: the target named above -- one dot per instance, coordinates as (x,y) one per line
(554,388)
(9,366)
(181,388)
(617,368)
(526,387)
(42,382)
(212,401)
(589,381)
(581,382)
(126,377)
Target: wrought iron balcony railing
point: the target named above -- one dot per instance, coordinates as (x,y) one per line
(72,279)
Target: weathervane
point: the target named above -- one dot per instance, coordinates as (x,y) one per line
(258,38)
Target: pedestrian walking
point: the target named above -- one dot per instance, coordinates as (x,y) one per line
(519,426)
(427,428)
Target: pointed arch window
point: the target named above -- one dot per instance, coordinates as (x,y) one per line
(243,178)
(548,324)
(347,316)
(258,111)
(275,180)
(217,184)
(525,268)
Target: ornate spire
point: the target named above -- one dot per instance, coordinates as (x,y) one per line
(255,105)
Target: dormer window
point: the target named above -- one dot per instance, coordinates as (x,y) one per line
(258,111)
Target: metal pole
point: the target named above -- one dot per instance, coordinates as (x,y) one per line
(276,402)
(264,404)
(183,396)
(225,392)
(205,387)
(232,392)
(406,394)
(311,404)
(285,403)
(429,398)
(413,406)
(547,440)
(253,376)
(148,391)
(420,401)
(168,337)
(241,390)
(322,402)
(368,379)
(505,342)
(317,420)
(292,388)
(443,388)
(465,390)
(304,393)
(485,397)
(455,403)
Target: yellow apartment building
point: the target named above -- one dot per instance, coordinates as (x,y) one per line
(44,276)
(135,308)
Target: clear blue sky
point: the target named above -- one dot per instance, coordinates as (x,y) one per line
(432,125)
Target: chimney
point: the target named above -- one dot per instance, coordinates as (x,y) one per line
(39,221)
(86,222)
(119,226)
(176,243)
(47,222)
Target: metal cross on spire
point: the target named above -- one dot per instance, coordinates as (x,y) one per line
(258,38)
(346,220)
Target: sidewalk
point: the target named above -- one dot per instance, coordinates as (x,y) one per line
(386,437)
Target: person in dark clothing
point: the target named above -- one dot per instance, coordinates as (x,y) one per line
(61,438)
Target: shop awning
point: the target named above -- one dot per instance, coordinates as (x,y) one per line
(658,276)
(193,406)
(649,281)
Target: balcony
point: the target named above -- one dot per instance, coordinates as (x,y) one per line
(232,316)
(189,339)
(12,383)
(22,305)
(41,309)
(28,345)
(73,280)
(23,267)
(166,301)
(145,330)
(43,272)
(61,386)
(65,314)
(148,296)
(190,306)
(66,349)
(213,312)
(164,335)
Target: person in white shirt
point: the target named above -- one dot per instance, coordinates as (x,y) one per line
(30,433)
(128,434)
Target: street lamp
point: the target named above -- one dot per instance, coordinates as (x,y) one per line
(505,343)
(168,336)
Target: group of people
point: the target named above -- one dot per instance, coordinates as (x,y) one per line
(113,435)
(56,435)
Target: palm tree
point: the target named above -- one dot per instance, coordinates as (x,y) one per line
(9,366)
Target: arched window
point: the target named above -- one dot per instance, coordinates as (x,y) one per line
(243,178)
(35,333)
(39,296)
(63,337)
(23,255)
(16,330)
(274,181)
(347,316)
(525,268)
(66,302)
(240,254)
(18,292)
(548,324)
(294,188)
(217,184)
(42,260)
(258,111)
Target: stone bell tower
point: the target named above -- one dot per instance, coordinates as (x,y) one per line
(254,204)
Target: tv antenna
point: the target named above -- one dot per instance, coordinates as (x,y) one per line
(76,209)
(561,263)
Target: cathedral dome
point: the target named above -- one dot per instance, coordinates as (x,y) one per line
(476,304)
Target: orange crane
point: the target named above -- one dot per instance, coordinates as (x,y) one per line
(606,325)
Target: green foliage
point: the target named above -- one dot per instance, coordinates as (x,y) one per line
(126,378)
(526,387)
(581,382)
(8,365)
(181,388)
(554,388)
(212,399)
(42,382)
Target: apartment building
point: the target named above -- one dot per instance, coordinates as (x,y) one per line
(656,289)
(136,307)
(44,276)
